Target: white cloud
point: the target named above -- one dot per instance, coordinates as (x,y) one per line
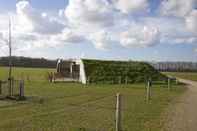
(102,40)
(34,29)
(191,21)
(36,21)
(2,38)
(131,6)
(176,39)
(139,36)
(3,45)
(90,12)
(68,36)
(4,22)
(179,8)
(182,40)
(195,50)
(61,13)
(97,20)
(172,31)
(182,9)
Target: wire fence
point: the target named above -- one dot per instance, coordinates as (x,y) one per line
(102,107)
(12,89)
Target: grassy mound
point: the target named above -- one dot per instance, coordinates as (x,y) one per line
(99,71)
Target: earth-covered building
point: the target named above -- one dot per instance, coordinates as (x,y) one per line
(105,71)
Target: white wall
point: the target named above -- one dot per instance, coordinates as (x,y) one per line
(82,75)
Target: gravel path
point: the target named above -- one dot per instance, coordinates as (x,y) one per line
(183,115)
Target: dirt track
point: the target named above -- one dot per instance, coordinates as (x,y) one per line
(183,115)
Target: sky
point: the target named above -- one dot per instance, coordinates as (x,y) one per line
(144,30)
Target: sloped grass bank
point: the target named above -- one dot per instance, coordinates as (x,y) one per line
(184,75)
(98,71)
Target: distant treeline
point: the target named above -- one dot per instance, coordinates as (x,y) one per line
(28,62)
(175,66)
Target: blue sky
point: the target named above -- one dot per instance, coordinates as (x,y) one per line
(149,30)
(7,5)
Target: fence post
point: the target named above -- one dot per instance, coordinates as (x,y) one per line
(169,84)
(9,87)
(21,86)
(114,80)
(126,80)
(148,91)
(177,81)
(120,80)
(12,87)
(52,77)
(88,80)
(0,87)
(118,112)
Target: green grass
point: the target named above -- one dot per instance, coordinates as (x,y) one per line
(100,71)
(28,74)
(184,75)
(72,106)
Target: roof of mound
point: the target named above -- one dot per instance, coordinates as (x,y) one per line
(109,70)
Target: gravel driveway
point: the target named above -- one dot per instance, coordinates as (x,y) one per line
(183,115)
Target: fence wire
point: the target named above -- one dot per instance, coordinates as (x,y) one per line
(89,110)
(7,90)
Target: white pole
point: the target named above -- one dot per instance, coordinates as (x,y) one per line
(10,59)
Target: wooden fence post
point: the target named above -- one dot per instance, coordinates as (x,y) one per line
(120,80)
(0,87)
(12,87)
(9,87)
(88,80)
(177,81)
(112,81)
(169,84)
(118,112)
(126,80)
(54,77)
(148,91)
(21,86)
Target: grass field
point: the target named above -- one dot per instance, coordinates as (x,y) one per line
(184,75)
(33,74)
(76,107)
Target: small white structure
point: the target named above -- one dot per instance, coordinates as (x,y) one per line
(71,70)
